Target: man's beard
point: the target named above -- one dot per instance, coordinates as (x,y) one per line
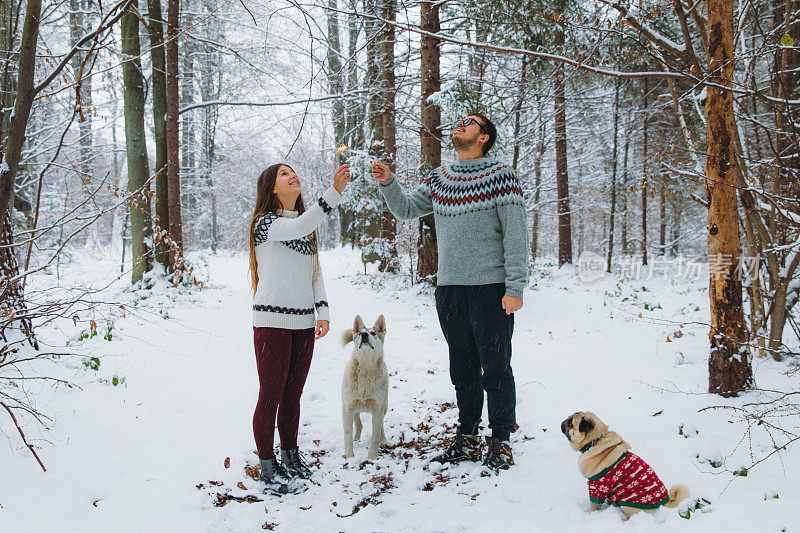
(462,143)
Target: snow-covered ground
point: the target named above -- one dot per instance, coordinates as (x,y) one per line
(149,454)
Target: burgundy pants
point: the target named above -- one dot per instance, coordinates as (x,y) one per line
(283,357)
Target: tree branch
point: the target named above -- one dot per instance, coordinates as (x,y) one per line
(21,434)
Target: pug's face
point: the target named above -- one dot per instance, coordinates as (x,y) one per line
(581,428)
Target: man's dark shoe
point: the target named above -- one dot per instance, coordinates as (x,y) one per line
(277,480)
(462,448)
(498,456)
(292,460)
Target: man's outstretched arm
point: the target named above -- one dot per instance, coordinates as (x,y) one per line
(404,206)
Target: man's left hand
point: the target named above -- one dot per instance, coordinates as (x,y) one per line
(511,304)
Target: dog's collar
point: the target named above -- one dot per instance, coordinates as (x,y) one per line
(589,446)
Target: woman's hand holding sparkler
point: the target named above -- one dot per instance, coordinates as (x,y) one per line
(341,177)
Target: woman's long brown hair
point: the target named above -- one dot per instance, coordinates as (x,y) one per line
(267,202)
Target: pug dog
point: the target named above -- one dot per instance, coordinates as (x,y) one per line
(365,384)
(614,473)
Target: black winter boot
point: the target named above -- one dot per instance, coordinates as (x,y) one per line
(498,456)
(462,448)
(277,480)
(292,460)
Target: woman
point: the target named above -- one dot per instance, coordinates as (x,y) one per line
(288,287)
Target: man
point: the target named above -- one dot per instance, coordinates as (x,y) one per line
(482,239)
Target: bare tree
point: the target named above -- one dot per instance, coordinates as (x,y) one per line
(430,133)
(155,28)
(172,134)
(613,208)
(388,220)
(79,11)
(729,369)
(136,147)
(22,105)
(562,178)
(645,171)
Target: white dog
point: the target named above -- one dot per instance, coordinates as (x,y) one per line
(365,385)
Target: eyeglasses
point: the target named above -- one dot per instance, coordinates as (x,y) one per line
(467,121)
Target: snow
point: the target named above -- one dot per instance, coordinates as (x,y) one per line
(702,95)
(129,457)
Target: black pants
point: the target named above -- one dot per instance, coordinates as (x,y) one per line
(478,333)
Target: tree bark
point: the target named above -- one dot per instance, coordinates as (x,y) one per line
(388,220)
(662,228)
(729,370)
(624,187)
(172,133)
(335,72)
(135,146)
(12,301)
(155,29)
(613,179)
(22,106)
(211,82)
(430,133)
(335,87)
(187,65)
(374,82)
(757,314)
(355,115)
(537,177)
(518,112)
(371,220)
(562,179)
(83,89)
(646,113)
(9,25)
(784,178)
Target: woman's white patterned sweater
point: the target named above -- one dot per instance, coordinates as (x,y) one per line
(288,294)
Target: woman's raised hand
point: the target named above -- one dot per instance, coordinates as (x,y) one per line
(341,177)
(380,171)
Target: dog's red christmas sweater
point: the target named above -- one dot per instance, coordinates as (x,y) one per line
(629,481)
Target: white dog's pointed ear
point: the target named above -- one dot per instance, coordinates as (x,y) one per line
(358,324)
(380,325)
